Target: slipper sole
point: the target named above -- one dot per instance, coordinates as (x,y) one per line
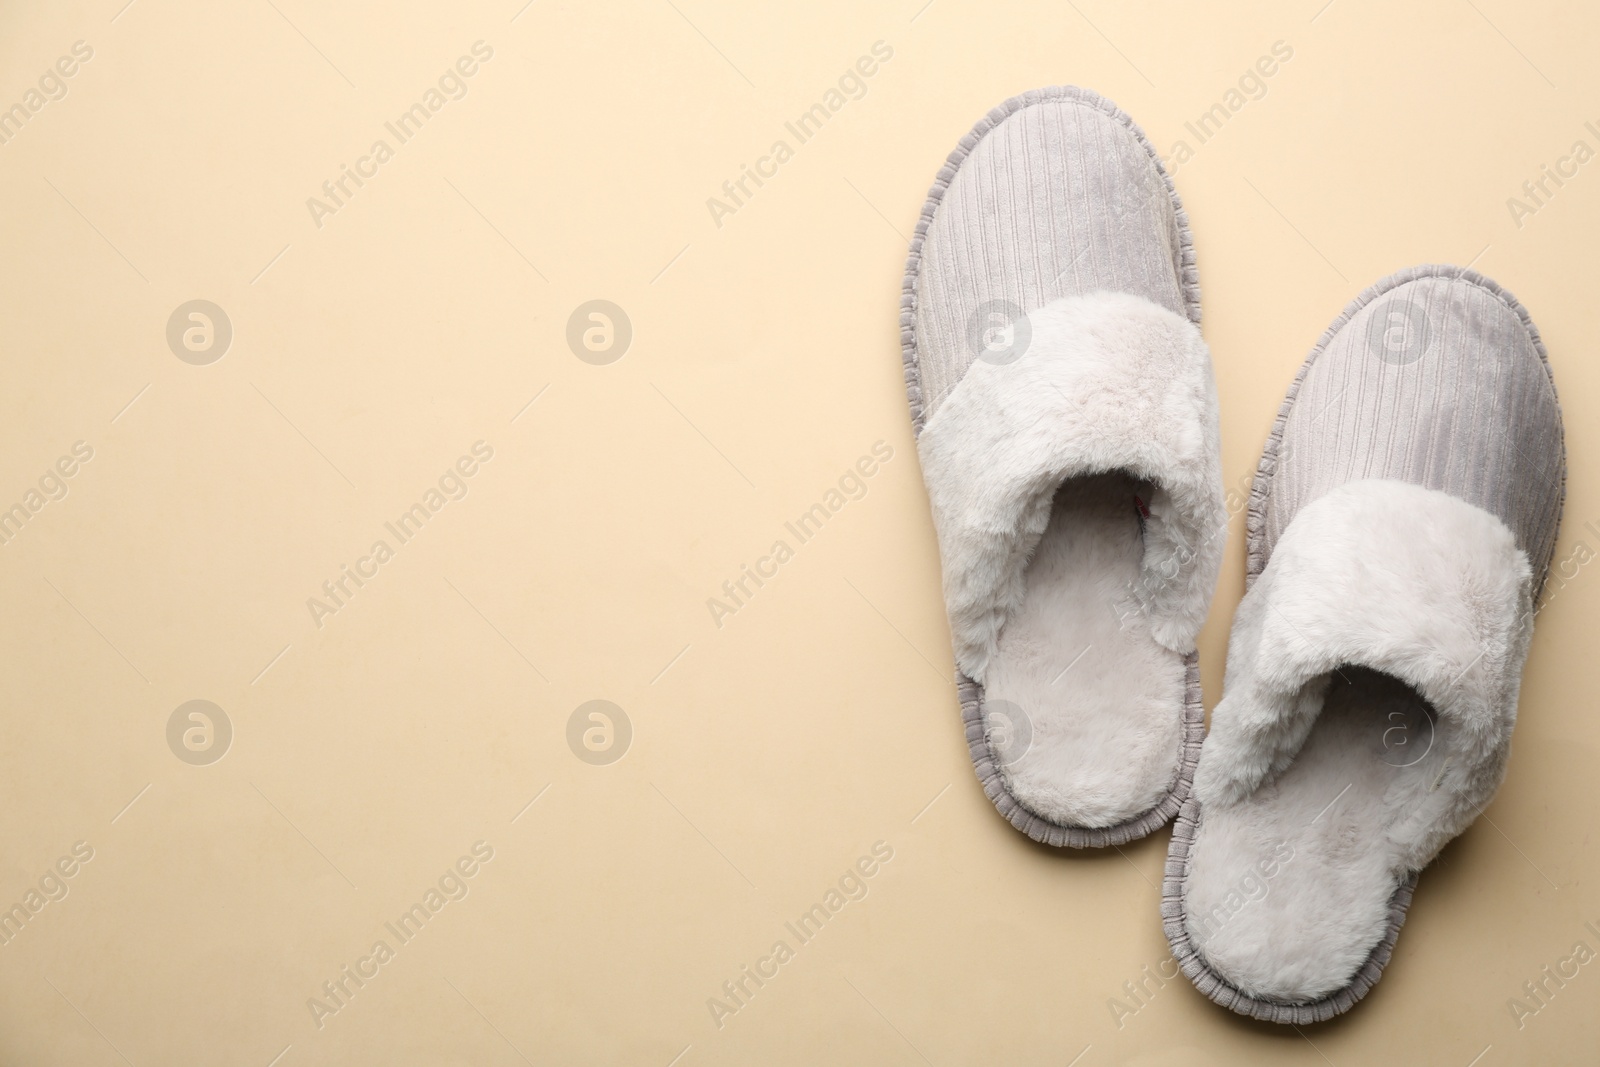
(984,764)
(1187,827)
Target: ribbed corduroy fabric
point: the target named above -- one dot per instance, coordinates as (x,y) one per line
(1087,209)
(1056,192)
(1434,376)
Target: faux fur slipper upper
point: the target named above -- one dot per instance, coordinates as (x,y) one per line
(1067,427)
(1403,517)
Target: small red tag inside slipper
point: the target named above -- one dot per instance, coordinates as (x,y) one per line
(1138,502)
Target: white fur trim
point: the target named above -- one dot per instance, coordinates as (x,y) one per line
(1408,581)
(1109,381)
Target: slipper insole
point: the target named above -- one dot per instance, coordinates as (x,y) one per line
(1288,890)
(1084,710)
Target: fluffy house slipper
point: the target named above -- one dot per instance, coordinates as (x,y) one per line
(1066,421)
(1403,518)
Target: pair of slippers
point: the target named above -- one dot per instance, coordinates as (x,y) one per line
(1401,523)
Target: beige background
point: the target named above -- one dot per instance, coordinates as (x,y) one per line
(770,753)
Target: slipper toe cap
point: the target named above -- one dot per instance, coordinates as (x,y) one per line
(1435,376)
(1056,193)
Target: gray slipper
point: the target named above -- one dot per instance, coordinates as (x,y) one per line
(1066,421)
(1403,518)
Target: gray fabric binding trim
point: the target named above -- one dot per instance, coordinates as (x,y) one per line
(1187,826)
(971,693)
